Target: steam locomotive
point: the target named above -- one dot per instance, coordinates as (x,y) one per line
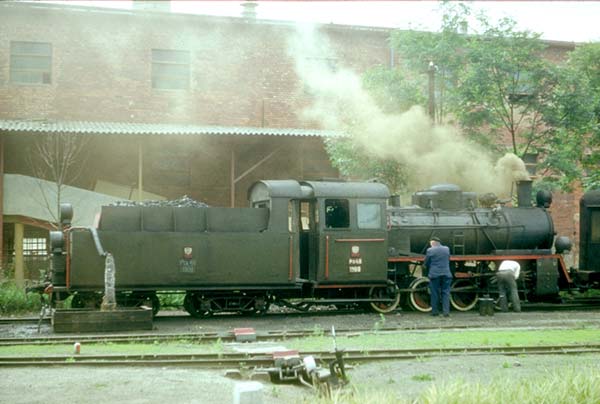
(301,244)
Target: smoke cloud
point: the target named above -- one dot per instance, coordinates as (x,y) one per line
(433,154)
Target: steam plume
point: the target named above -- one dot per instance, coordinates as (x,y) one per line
(433,154)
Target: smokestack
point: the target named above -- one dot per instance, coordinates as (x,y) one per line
(524,193)
(249,10)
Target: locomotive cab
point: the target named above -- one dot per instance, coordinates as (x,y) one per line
(337,230)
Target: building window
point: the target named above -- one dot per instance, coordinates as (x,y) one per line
(34,246)
(170,69)
(30,63)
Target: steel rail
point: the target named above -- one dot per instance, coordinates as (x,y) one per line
(222,360)
(276,335)
(580,303)
(229,336)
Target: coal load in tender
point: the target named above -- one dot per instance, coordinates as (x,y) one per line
(183,202)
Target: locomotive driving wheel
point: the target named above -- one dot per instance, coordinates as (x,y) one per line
(419,296)
(196,305)
(391,293)
(464,295)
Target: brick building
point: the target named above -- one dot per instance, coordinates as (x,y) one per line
(169,104)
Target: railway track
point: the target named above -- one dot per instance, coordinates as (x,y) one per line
(229,336)
(254,360)
(587,303)
(575,305)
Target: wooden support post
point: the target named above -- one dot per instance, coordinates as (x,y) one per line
(18,246)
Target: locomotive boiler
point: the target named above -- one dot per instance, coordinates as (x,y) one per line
(306,243)
(479,238)
(454,216)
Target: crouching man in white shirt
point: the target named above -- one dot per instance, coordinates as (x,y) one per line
(507,275)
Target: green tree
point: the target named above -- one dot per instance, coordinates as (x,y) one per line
(393,90)
(498,85)
(501,86)
(348,157)
(584,66)
(568,117)
(417,49)
(398,89)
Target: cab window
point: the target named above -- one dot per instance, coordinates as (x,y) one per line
(368,215)
(337,213)
(595,226)
(305,216)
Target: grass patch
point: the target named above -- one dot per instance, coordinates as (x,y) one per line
(365,342)
(14,300)
(567,385)
(450,339)
(563,385)
(425,377)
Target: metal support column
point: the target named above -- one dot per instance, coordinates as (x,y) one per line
(431,73)
(232,178)
(140,170)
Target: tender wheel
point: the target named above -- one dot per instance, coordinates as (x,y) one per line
(419,295)
(196,306)
(261,306)
(389,292)
(148,300)
(464,295)
(85,301)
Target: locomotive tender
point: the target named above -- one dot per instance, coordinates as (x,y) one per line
(309,243)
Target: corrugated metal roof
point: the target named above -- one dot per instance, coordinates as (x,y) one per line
(123,128)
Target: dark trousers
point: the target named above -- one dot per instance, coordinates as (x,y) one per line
(440,291)
(507,286)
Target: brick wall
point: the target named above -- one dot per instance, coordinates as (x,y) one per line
(565,213)
(241,73)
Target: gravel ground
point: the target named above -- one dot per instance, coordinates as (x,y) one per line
(188,385)
(407,379)
(180,322)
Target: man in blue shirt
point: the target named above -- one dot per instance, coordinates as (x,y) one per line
(437,262)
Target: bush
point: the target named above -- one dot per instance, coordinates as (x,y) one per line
(14,300)
(173,301)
